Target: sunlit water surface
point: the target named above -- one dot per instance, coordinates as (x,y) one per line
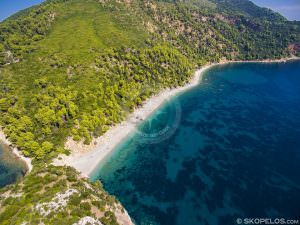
(235,152)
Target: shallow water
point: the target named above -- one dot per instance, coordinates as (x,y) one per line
(227,149)
(11,168)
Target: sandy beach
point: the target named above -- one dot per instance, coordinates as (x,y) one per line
(85,158)
(16,151)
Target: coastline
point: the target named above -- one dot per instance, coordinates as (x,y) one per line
(281,60)
(86,158)
(16,151)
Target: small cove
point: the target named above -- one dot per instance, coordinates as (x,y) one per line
(11,167)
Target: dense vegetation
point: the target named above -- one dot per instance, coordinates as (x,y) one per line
(74,68)
(21,203)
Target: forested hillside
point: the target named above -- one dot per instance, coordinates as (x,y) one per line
(58,196)
(68,66)
(77,67)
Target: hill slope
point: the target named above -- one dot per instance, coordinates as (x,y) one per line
(76,67)
(78,60)
(57,195)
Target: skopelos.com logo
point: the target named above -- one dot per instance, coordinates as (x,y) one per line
(158,118)
(269,221)
(162,124)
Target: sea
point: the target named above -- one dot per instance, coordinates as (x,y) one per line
(225,152)
(11,167)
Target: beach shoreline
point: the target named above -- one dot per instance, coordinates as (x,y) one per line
(16,151)
(86,158)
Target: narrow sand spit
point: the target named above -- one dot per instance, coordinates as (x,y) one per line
(85,158)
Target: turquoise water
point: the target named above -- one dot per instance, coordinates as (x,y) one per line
(11,168)
(227,149)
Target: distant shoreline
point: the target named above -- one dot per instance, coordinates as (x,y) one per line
(281,60)
(86,158)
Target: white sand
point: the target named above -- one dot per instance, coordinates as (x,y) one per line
(85,158)
(16,151)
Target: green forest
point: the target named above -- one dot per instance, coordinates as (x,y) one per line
(42,185)
(75,68)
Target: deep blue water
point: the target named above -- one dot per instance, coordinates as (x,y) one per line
(11,168)
(228,149)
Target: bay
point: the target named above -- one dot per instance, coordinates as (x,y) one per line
(226,149)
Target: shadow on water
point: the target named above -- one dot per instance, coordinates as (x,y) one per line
(235,153)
